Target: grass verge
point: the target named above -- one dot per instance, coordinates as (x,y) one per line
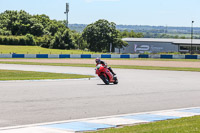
(183,125)
(7,49)
(29,75)
(183,60)
(140,59)
(158,68)
(113,66)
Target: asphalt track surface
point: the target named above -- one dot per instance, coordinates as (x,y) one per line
(31,102)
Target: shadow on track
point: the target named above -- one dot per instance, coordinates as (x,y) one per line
(105,84)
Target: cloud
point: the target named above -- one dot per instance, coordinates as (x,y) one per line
(89,1)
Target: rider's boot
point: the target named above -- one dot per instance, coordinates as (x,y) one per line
(111,71)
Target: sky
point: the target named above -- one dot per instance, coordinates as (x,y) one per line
(126,12)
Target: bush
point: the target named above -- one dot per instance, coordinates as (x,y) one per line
(22,41)
(30,39)
(15,40)
(1,40)
(43,41)
(5,41)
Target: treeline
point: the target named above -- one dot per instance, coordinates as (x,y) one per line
(19,27)
(22,23)
(146,29)
(151,31)
(157,35)
(22,28)
(159,29)
(131,34)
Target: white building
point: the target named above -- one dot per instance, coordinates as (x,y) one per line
(158,45)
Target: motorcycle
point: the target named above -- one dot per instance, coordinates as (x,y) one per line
(105,74)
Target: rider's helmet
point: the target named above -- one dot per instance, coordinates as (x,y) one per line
(97,60)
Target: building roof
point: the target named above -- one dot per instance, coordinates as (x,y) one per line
(174,41)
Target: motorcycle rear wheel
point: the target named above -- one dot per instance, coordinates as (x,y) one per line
(116,80)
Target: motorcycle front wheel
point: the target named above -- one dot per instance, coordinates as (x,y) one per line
(105,79)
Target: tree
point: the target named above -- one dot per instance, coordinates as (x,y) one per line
(67,38)
(121,43)
(100,35)
(52,28)
(37,29)
(62,40)
(78,40)
(57,41)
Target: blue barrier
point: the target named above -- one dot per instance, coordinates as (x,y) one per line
(64,56)
(41,55)
(86,56)
(124,56)
(166,56)
(106,56)
(18,55)
(89,56)
(143,56)
(191,57)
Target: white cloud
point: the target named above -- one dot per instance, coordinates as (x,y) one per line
(100,0)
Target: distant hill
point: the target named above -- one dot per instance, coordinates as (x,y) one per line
(77,27)
(145,29)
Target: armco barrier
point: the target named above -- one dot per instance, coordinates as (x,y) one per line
(124,56)
(106,56)
(5,55)
(53,56)
(42,56)
(166,56)
(155,56)
(64,56)
(178,56)
(75,56)
(115,56)
(88,56)
(96,56)
(134,56)
(17,55)
(30,56)
(190,56)
(143,56)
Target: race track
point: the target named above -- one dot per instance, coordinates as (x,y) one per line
(30,102)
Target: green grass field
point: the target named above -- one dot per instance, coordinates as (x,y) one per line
(29,75)
(183,125)
(140,59)
(113,66)
(7,49)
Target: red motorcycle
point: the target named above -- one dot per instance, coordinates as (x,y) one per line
(105,74)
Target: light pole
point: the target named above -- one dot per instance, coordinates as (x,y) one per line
(67,11)
(191,37)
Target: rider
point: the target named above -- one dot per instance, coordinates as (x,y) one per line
(98,61)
